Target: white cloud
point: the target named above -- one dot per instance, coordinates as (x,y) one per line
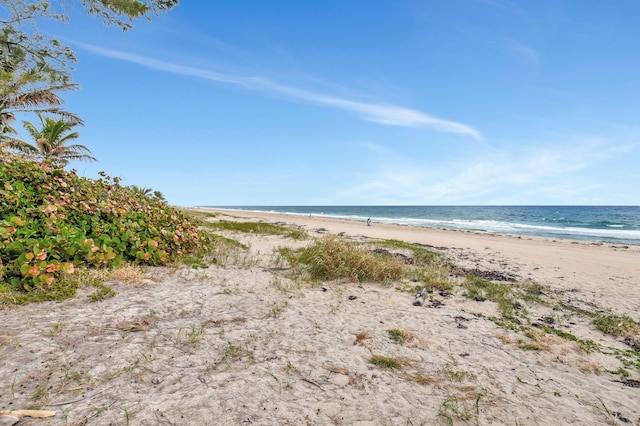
(382,113)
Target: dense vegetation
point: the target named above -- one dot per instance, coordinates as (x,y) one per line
(53,221)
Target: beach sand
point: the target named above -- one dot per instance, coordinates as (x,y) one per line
(607,273)
(243,343)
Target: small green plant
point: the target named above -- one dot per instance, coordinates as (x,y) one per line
(384,362)
(191,337)
(72,375)
(586,345)
(102,292)
(451,409)
(290,367)
(276,281)
(127,416)
(621,371)
(457,375)
(276,309)
(533,292)
(397,335)
(422,380)
(40,393)
(500,293)
(12,388)
(234,352)
(630,358)
(616,325)
(528,346)
(57,328)
(433,277)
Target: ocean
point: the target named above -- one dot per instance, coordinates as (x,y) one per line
(610,224)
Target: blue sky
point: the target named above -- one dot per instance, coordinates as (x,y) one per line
(366,102)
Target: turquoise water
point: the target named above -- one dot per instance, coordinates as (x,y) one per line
(612,224)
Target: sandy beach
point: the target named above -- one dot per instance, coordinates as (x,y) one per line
(243,342)
(610,273)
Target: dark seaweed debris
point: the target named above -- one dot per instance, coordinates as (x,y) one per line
(491,275)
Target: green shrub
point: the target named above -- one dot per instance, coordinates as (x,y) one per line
(52,221)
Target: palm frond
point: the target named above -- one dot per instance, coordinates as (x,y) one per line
(51,141)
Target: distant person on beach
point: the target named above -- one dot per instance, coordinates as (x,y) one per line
(369,222)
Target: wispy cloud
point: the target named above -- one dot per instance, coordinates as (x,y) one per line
(564,173)
(378,112)
(525,53)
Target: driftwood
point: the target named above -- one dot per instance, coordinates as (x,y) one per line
(420,298)
(11,417)
(312,382)
(335,369)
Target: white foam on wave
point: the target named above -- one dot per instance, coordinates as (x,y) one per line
(519,228)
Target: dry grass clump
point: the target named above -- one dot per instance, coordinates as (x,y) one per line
(361,337)
(331,258)
(541,341)
(128,274)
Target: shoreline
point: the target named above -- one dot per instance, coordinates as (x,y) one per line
(608,274)
(579,234)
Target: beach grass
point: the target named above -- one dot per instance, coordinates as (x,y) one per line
(397,335)
(479,289)
(330,258)
(420,253)
(385,362)
(262,228)
(617,325)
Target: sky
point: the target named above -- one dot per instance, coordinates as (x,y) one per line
(365,102)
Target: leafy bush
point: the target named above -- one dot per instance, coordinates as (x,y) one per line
(52,221)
